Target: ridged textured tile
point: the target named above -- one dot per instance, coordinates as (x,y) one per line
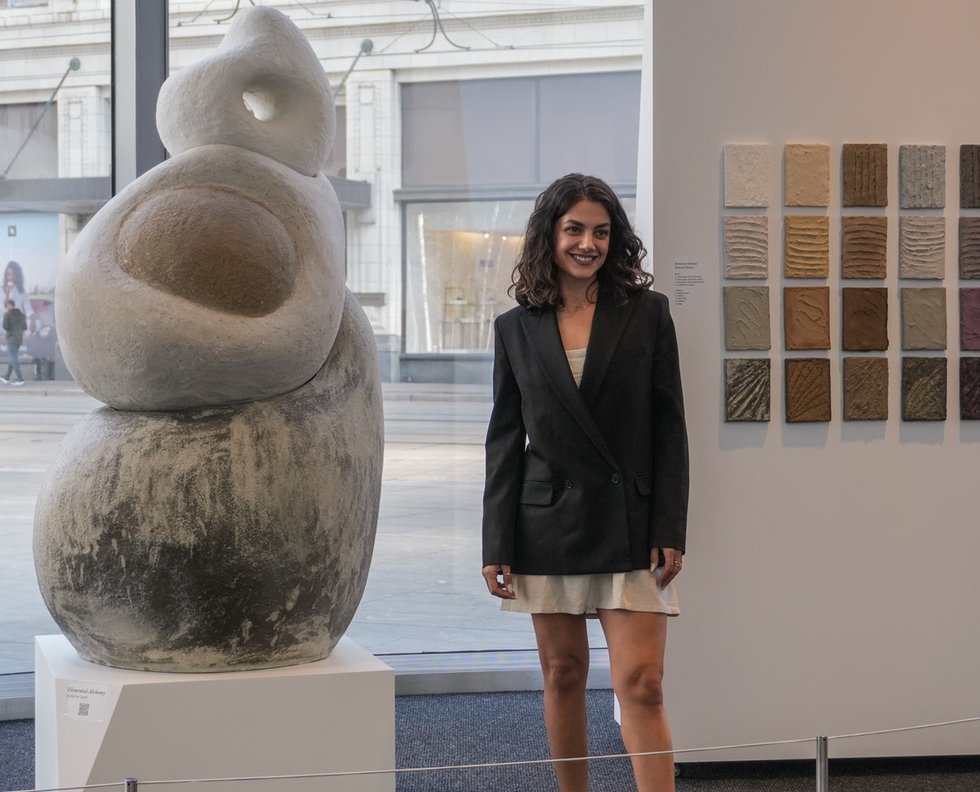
(865,389)
(746,317)
(923,389)
(970,176)
(970,320)
(864,316)
(922,171)
(807,389)
(865,174)
(922,247)
(807,174)
(969,248)
(746,174)
(747,246)
(924,318)
(864,246)
(806,248)
(806,317)
(970,388)
(747,389)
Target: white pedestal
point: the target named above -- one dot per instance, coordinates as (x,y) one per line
(95,724)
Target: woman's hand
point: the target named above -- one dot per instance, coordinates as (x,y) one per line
(672,564)
(504,589)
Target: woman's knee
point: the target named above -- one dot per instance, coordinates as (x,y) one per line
(642,685)
(564,673)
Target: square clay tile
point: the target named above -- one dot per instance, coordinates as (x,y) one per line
(806,248)
(864,314)
(922,247)
(806,317)
(924,318)
(865,389)
(865,174)
(923,389)
(747,389)
(922,172)
(970,176)
(970,388)
(747,246)
(807,390)
(969,248)
(970,320)
(746,317)
(746,174)
(807,174)
(864,246)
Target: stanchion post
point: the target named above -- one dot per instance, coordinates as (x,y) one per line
(131,784)
(823,765)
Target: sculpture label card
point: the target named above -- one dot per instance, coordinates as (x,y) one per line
(923,177)
(807,246)
(922,247)
(807,390)
(865,243)
(746,317)
(970,320)
(747,246)
(747,389)
(970,176)
(865,174)
(924,318)
(864,314)
(970,248)
(746,174)
(806,317)
(970,388)
(865,389)
(807,174)
(924,389)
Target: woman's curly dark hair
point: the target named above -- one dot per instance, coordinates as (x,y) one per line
(535,277)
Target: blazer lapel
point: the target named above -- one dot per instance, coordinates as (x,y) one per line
(541,331)
(607,328)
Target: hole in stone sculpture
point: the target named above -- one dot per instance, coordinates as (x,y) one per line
(260,102)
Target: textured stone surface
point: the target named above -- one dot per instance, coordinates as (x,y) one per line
(806,317)
(864,247)
(970,319)
(924,318)
(923,389)
(970,176)
(922,171)
(864,313)
(865,389)
(746,246)
(746,174)
(807,390)
(266,62)
(747,389)
(970,388)
(969,248)
(746,317)
(865,174)
(220,538)
(806,249)
(922,247)
(807,174)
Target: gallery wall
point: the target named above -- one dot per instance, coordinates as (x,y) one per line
(830,584)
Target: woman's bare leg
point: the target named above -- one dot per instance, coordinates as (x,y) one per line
(636,660)
(563,647)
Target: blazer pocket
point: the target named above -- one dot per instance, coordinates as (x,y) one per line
(537,493)
(643,483)
(627,354)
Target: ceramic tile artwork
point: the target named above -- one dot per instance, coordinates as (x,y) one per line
(807,390)
(922,177)
(746,174)
(747,389)
(746,246)
(923,389)
(864,316)
(806,317)
(865,389)
(806,174)
(969,248)
(922,247)
(806,249)
(970,176)
(924,318)
(746,317)
(970,320)
(865,174)
(863,247)
(970,388)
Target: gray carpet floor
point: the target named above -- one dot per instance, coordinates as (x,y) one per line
(476,728)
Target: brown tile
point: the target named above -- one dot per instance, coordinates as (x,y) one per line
(807,174)
(746,317)
(747,389)
(922,247)
(746,246)
(807,389)
(806,250)
(970,248)
(924,318)
(923,389)
(806,317)
(864,247)
(970,176)
(865,389)
(865,174)
(864,316)
(970,388)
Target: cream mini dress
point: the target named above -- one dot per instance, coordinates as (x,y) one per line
(636,590)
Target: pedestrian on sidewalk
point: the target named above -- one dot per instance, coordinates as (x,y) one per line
(14,325)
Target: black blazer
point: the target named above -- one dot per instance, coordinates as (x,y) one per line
(584,480)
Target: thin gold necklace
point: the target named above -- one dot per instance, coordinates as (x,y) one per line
(577,308)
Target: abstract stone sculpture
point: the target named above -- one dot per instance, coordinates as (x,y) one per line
(220,514)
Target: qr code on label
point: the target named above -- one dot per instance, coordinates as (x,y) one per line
(83,709)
